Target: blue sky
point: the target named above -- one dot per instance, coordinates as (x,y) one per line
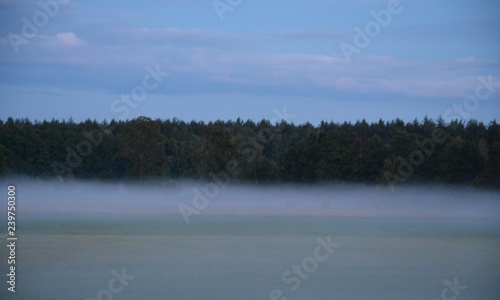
(254,59)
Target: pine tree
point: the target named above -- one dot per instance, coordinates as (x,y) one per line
(143,146)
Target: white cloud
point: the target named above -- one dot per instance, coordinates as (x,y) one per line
(226,60)
(69,39)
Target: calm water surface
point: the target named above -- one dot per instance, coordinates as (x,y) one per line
(74,254)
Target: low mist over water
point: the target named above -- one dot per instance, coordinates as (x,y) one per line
(86,198)
(207,241)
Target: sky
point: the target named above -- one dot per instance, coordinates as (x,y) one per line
(298,61)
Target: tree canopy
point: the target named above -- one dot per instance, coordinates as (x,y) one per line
(392,152)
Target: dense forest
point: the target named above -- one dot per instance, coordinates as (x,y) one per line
(395,152)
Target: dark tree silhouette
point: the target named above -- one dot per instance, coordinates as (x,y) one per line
(397,152)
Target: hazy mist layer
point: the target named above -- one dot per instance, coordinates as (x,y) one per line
(38,198)
(241,241)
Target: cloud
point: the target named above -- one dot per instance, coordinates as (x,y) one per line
(182,38)
(69,39)
(219,60)
(367,75)
(318,35)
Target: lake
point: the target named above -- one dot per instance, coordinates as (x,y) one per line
(124,241)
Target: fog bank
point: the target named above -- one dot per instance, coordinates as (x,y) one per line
(39,198)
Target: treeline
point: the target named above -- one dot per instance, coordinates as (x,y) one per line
(392,152)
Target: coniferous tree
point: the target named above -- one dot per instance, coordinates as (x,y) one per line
(385,152)
(143,148)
